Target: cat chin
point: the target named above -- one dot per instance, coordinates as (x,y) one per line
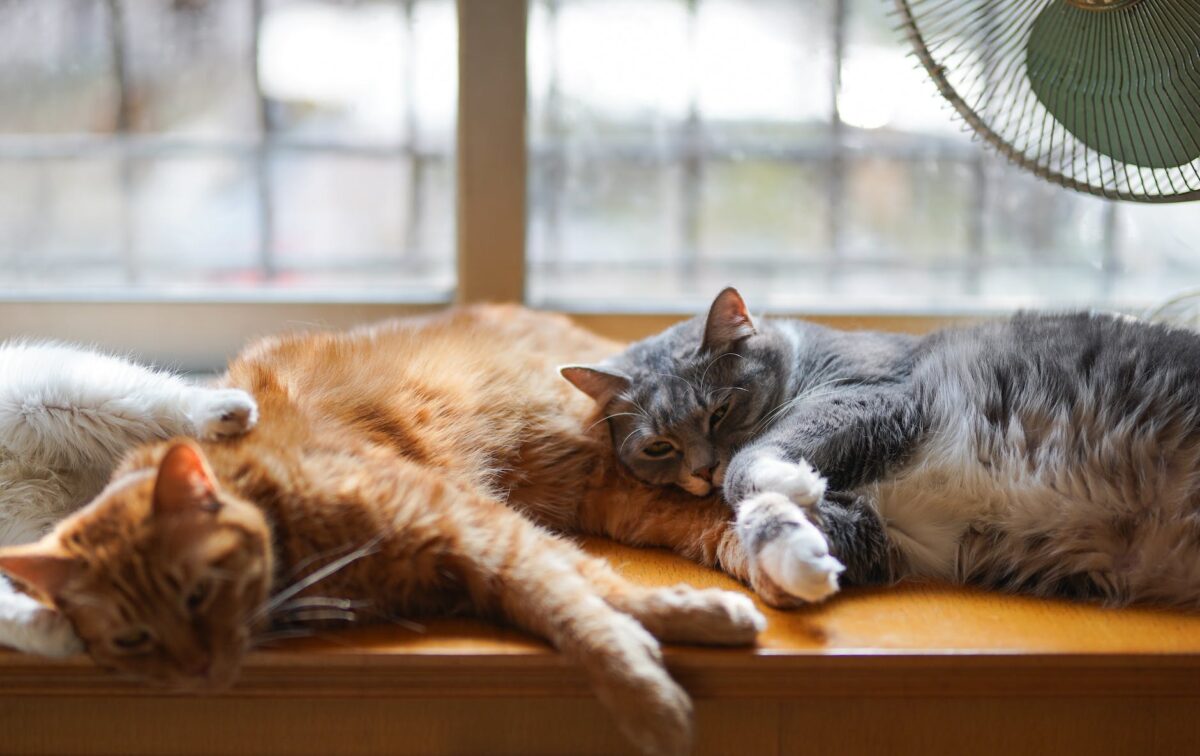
(695,486)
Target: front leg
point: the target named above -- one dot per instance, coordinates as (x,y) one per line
(76,408)
(636,514)
(216,413)
(28,626)
(799,537)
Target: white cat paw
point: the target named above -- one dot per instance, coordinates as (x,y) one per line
(222,413)
(798,481)
(31,628)
(52,635)
(792,553)
(800,563)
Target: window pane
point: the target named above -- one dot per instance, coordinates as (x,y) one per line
(799,151)
(345,218)
(60,220)
(219,247)
(163,148)
(57,74)
(189,67)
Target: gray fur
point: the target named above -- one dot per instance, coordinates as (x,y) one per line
(1048,454)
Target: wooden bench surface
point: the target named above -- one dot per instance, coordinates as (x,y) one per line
(916,670)
(901,640)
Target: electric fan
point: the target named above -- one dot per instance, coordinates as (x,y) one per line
(1101,96)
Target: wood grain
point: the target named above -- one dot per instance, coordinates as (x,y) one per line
(920,670)
(911,640)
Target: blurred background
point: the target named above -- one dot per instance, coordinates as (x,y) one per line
(303,150)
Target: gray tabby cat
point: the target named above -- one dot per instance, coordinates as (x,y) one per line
(1057,455)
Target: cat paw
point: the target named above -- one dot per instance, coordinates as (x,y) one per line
(792,554)
(52,635)
(31,628)
(688,615)
(649,708)
(224,413)
(798,481)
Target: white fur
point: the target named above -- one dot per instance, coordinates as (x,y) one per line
(67,416)
(28,626)
(933,503)
(798,481)
(798,561)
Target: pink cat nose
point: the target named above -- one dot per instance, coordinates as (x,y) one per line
(705,473)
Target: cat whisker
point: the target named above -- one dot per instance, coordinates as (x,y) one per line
(311,559)
(278,635)
(645,415)
(712,391)
(409,625)
(610,417)
(632,433)
(813,392)
(714,361)
(287,593)
(321,602)
(321,615)
(678,378)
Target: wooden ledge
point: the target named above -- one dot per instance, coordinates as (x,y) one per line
(906,641)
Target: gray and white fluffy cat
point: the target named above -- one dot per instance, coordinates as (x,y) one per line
(67,416)
(1057,455)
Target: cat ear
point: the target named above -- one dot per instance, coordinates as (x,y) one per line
(728,321)
(602,384)
(41,567)
(184,484)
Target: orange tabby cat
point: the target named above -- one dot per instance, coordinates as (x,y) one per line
(377,479)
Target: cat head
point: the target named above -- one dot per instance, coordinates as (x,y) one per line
(680,403)
(160,576)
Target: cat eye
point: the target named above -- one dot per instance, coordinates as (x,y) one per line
(199,593)
(718,414)
(135,640)
(658,449)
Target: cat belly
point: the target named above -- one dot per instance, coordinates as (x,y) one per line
(950,491)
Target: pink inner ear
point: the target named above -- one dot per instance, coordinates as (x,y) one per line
(596,383)
(728,320)
(184,482)
(40,567)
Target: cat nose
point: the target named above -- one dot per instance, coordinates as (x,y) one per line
(705,473)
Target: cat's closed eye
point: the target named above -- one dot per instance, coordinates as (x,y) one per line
(658,449)
(199,595)
(134,641)
(718,414)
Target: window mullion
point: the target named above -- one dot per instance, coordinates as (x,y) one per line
(491,150)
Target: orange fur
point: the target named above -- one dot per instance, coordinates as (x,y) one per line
(375,485)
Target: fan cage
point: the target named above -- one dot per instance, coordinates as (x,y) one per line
(974,52)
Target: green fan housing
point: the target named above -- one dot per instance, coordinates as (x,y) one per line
(1123,81)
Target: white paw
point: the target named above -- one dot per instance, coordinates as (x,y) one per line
(222,413)
(799,562)
(29,627)
(796,480)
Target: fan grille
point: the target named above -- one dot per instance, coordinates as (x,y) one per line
(1100,96)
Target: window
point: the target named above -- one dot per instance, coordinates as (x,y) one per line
(251,149)
(612,156)
(797,150)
